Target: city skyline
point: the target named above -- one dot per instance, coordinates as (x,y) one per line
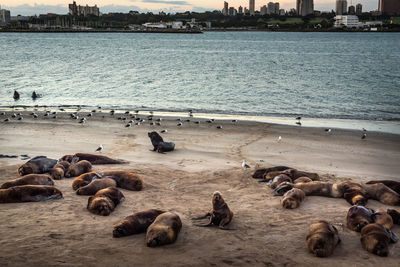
(32,7)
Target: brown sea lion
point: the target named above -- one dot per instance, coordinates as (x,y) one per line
(358,217)
(394,185)
(84,179)
(279,179)
(292,198)
(395,215)
(30,179)
(96,185)
(322,239)
(125,179)
(136,223)
(302,179)
(294,174)
(105,201)
(76,169)
(383,194)
(375,238)
(164,230)
(38,165)
(383,218)
(220,214)
(58,171)
(259,174)
(29,193)
(95,159)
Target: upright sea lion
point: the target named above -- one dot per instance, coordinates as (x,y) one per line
(278,180)
(39,164)
(76,169)
(155,139)
(84,179)
(395,215)
(302,179)
(58,171)
(292,198)
(358,217)
(136,223)
(29,193)
(96,185)
(394,185)
(105,201)
(375,238)
(259,174)
(95,159)
(383,218)
(164,230)
(125,179)
(220,214)
(30,179)
(322,239)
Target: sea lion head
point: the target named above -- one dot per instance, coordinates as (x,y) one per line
(290,203)
(358,217)
(100,205)
(67,158)
(57,173)
(321,245)
(217,199)
(120,229)
(25,169)
(159,235)
(375,238)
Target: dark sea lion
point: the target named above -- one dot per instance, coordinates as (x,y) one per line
(125,179)
(383,194)
(105,201)
(383,218)
(84,179)
(322,239)
(395,215)
(375,238)
(292,198)
(96,185)
(58,171)
(278,180)
(302,179)
(30,179)
(354,193)
(136,223)
(38,165)
(95,159)
(76,169)
(29,193)
(259,174)
(358,217)
(165,147)
(294,174)
(394,185)
(155,139)
(16,95)
(220,214)
(164,230)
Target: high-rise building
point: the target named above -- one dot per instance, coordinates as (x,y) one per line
(352,10)
(232,11)
(305,7)
(271,8)
(276,8)
(358,9)
(225,9)
(75,10)
(341,7)
(390,7)
(240,10)
(263,10)
(5,16)
(252,7)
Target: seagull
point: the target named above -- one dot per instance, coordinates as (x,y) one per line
(209,121)
(14,115)
(298,123)
(197,122)
(35,116)
(364,130)
(164,131)
(112,112)
(159,119)
(89,115)
(219,127)
(158,123)
(133,116)
(187,120)
(179,119)
(8,119)
(364,136)
(279,138)
(151,112)
(179,124)
(100,148)
(20,118)
(244,165)
(136,111)
(128,125)
(3,113)
(328,130)
(234,121)
(138,123)
(152,123)
(126,112)
(298,118)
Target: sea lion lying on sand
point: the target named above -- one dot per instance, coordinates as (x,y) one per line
(164,230)
(322,239)
(278,180)
(158,143)
(383,194)
(220,214)
(78,168)
(294,174)
(84,179)
(30,179)
(383,218)
(259,174)
(29,193)
(292,198)
(58,171)
(125,179)
(302,179)
(105,201)
(395,215)
(96,185)
(358,217)
(95,159)
(38,165)
(136,223)
(394,185)
(375,238)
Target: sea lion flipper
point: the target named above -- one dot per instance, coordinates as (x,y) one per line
(202,217)
(203,225)
(393,237)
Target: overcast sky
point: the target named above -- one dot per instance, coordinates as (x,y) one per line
(32,7)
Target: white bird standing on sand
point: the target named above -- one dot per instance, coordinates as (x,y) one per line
(364,136)
(100,148)
(179,124)
(244,165)
(279,138)
(164,131)
(328,130)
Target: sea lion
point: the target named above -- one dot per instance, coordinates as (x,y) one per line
(136,223)
(95,159)
(220,214)
(394,185)
(375,238)
(39,165)
(383,218)
(96,185)
(105,201)
(395,215)
(155,139)
(278,180)
(29,193)
(292,198)
(358,217)
(16,95)
(58,171)
(76,169)
(259,174)
(125,179)
(302,179)
(30,179)
(383,194)
(294,174)
(322,239)
(84,179)
(164,230)
(165,147)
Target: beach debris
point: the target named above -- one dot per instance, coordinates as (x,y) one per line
(219,127)
(279,138)
(164,131)
(151,112)
(364,136)
(100,148)
(245,165)
(16,95)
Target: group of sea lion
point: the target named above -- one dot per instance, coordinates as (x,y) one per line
(323,237)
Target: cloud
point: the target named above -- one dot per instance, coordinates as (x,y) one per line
(166,2)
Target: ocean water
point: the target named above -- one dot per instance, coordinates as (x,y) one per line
(278,74)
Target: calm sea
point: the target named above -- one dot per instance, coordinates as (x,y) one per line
(315,75)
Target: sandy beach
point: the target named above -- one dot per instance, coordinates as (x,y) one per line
(63,233)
